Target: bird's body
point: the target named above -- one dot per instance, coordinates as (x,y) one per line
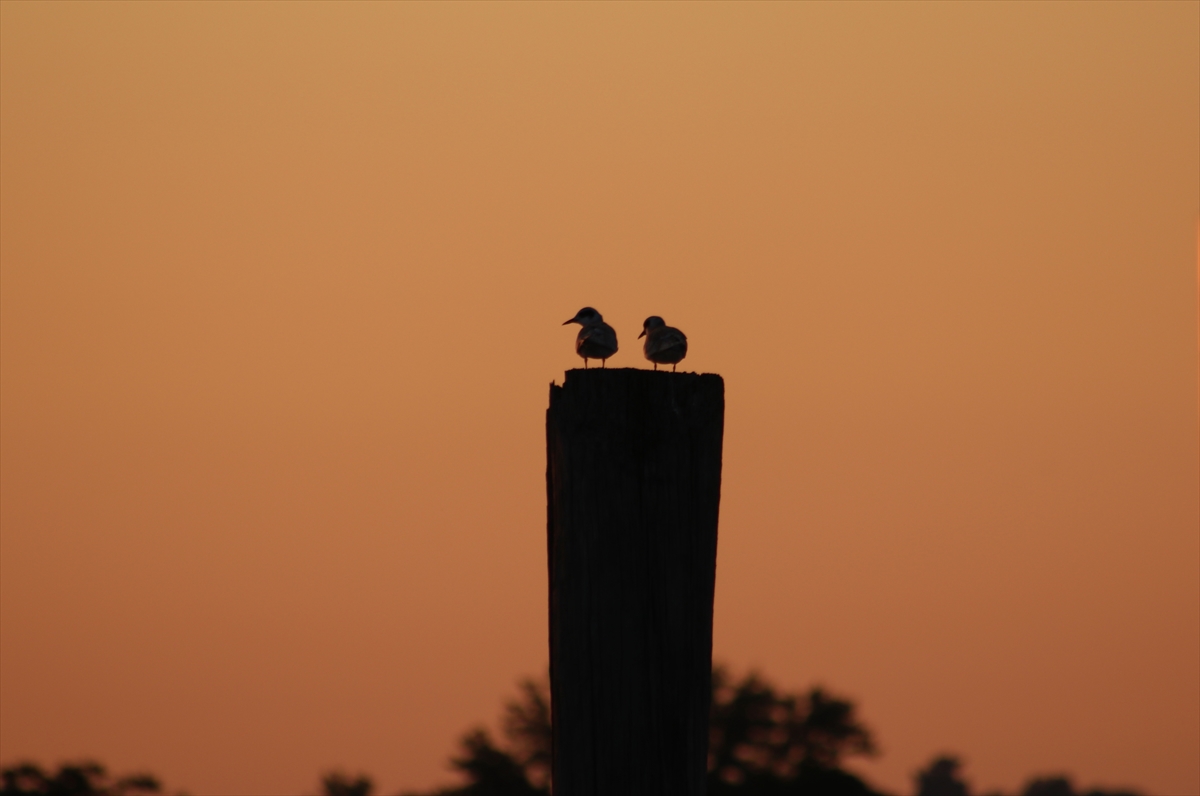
(665,345)
(596,339)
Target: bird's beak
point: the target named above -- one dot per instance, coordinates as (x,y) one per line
(643,334)
(570,321)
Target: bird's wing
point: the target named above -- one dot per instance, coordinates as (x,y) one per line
(665,339)
(600,333)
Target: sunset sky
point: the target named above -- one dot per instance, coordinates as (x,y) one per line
(281,293)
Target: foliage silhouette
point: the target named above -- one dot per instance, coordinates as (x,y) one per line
(335,783)
(941,778)
(1061,785)
(73,779)
(522,767)
(527,728)
(763,743)
(766,742)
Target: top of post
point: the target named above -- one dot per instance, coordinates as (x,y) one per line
(590,379)
(585,374)
(623,390)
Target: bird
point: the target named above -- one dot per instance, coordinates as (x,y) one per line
(596,340)
(665,345)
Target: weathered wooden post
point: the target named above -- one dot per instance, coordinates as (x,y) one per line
(633,479)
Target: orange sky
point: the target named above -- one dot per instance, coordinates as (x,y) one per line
(282,288)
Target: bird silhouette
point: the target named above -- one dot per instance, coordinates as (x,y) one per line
(665,345)
(596,340)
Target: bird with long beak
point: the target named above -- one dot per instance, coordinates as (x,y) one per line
(596,340)
(665,345)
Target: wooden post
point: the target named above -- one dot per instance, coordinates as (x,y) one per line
(633,480)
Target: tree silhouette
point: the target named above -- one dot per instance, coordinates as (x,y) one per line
(1061,785)
(522,767)
(527,728)
(762,742)
(336,783)
(766,742)
(72,779)
(941,778)
(491,771)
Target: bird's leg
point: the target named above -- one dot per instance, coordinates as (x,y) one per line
(672,368)
(604,363)
(656,366)
(585,363)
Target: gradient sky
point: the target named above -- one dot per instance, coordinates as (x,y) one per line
(282,287)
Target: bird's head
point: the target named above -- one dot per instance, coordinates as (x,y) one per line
(584,317)
(650,324)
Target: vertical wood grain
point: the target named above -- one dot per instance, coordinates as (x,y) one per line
(633,481)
